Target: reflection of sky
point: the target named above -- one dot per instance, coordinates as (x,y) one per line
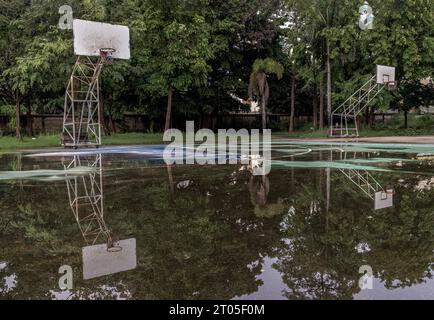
(273,285)
(421,291)
(9,282)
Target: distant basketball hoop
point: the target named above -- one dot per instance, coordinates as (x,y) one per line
(391,85)
(106,55)
(350,109)
(386,76)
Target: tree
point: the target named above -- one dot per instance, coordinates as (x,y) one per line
(258,83)
(175,46)
(33,55)
(404,37)
(10,48)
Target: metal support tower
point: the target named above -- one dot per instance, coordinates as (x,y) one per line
(86,200)
(344,117)
(81,118)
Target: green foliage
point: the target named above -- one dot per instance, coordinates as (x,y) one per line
(174,43)
(208,50)
(9,111)
(258,83)
(268,66)
(270,210)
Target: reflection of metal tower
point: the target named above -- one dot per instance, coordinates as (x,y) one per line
(86,200)
(371,187)
(81,118)
(367,183)
(364,180)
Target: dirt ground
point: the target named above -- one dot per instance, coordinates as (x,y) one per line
(396,139)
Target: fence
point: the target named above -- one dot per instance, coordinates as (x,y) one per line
(52,123)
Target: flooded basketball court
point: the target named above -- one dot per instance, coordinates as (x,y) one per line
(132,227)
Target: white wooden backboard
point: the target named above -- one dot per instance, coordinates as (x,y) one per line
(98,262)
(383,199)
(385,74)
(90,37)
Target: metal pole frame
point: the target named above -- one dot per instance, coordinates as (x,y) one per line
(348,111)
(81,118)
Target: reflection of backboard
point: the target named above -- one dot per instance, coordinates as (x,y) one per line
(90,37)
(98,262)
(385,74)
(383,199)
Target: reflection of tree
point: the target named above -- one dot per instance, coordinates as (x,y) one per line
(205,242)
(202,242)
(320,260)
(199,242)
(402,240)
(259,187)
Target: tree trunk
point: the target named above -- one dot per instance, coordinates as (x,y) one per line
(264,112)
(371,118)
(315,112)
(29,121)
(321,103)
(112,122)
(291,117)
(171,181)
(17,121)
(102,118)
(169,107)
(43,124)
(328,189)
(405,119)
(329,87)
(367,113)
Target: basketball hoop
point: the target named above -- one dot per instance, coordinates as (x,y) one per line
(390,85)
(81,116)
(106,55)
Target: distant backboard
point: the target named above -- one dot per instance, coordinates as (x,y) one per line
(383,199)
(98,262)
(385,74)
(90,37)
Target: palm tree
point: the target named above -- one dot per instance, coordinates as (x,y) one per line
(258,83)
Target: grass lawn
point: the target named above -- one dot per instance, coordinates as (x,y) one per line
(362,133)
(9,143)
